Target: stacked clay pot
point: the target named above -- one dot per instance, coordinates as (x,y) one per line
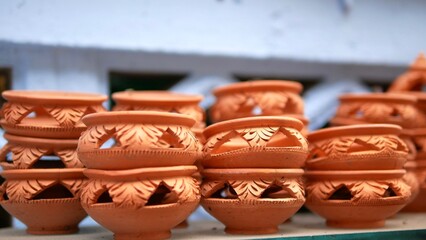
(354,175)
(141,186)
(44,175)
(252,172)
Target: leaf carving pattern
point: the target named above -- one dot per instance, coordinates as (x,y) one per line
(66,117)
(70,158)
(26,190)
(75,185)
(15,112)
(24,157)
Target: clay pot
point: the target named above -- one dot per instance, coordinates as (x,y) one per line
(252,201)
(27,153)
(142,139)
(418,204)
(357,147)
(259,142)
(47,114)
(163,101)
(263,98)
(46,200)
(396,109)
(356,199)
(142,203)
(413,79)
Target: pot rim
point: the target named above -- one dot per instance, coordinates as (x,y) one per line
(251,173)
(22,140)
(257,121)
(141,173)
(53,97)
(138,117)
(420,96)
(258,85)
(378,97)
(355,174)
(354,130)
(156,97)
(43,174)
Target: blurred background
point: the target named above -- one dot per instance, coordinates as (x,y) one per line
(330,46)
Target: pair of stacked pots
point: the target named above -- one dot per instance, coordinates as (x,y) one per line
(253,165)
(44,175)
(141,186)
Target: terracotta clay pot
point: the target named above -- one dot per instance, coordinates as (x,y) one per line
(252,201)
(399,109)
(163,101)
(27,153)
(47,114)
(418,204)
(263,97)
(356,199)
(46,200)
(142,203)
(142,139)
(260,142)
(413,79)
(357,147)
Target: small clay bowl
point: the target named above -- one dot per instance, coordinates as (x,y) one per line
(46,200)
(388,108)
(357,147)
(258,142)
(28,152)
(163,101)
(142,139)
(252,201)
(252,98)
(356,199)
(142,203)
(48,114)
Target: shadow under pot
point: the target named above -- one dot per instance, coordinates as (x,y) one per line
(257,98)
(252,201)
(137,139)
(48,114)
(356,199)
(357,147)
(256,142)
(144,203)
(47,201)
(27,152)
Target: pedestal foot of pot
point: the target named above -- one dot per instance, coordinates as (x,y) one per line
(364,224)
(52,231)
(140,236)
(251,231)
(183,224)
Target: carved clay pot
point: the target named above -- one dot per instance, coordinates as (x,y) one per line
(413,79)
(142,203)
(259,142)
(357,147)
(263,97)
(356,199)
(418,204)
(46,200)
(27,153)
(142,139)
(163,101)
(252,201)
(47,114)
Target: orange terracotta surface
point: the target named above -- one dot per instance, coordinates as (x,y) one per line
(419,169)
(163,101)
(27,151)
(255,142)
(48,114)
(142,139)
(250,200)
(357,147)
(262,97)
(356,199)
(413,79)
(46,200)
(142,203)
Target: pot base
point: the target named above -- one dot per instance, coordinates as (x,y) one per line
(148,235)
(251,231)
(356,225)
(52,231)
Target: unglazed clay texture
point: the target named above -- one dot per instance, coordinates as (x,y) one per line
(257,98)
(138,142)
(255,142)
(239,197)
(26,152)
(352,148)
(413,79)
